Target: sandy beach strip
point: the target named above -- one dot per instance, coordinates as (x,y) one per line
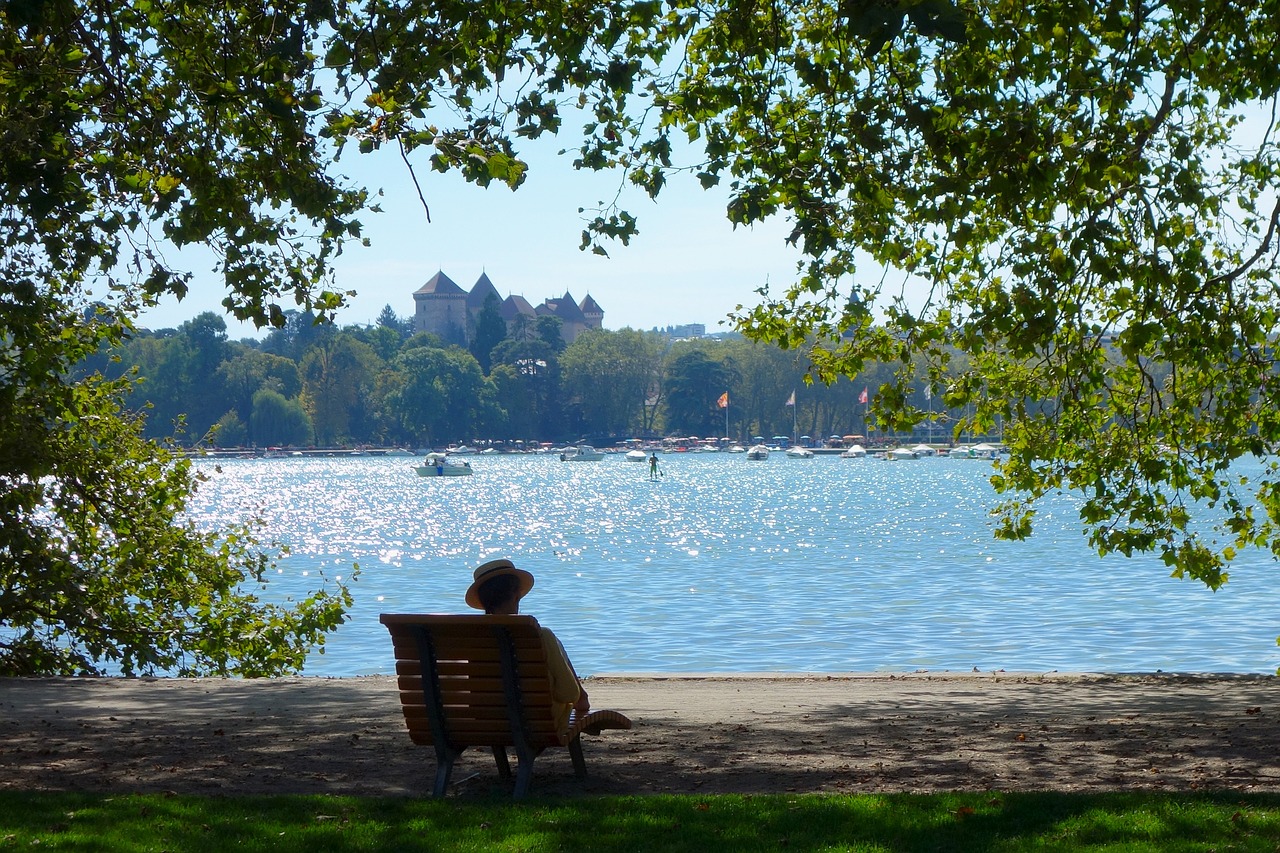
(713,733)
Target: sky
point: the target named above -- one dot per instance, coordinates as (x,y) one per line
(687,265)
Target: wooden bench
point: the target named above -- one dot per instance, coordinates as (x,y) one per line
(483,681)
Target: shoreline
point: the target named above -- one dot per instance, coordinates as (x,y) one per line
(694,732)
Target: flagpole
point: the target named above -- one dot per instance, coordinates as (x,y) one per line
(866,429)
(928,395)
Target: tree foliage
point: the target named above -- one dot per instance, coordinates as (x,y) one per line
(98,570)
(127,129)
(1073,199)
(610,375)
(1075,196)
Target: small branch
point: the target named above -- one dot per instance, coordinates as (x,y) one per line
(404,155)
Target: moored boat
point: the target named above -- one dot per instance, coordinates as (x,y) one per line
(581,453)
(758,452)
(440,465)
(461,450)
(977,451)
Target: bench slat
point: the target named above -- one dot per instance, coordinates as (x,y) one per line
(531,684)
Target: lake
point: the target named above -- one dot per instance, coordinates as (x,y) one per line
(727,565)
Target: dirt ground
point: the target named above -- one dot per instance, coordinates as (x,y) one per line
(874,733)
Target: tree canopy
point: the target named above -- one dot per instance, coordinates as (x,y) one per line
(1075,196)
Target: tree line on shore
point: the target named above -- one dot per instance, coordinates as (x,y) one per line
(324,385)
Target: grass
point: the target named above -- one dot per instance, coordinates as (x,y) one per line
(1123,821)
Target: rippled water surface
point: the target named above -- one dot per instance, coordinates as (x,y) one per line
(726,565)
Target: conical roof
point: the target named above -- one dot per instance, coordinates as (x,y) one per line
(481,292)
(589,306)
(513,306)
(567,309)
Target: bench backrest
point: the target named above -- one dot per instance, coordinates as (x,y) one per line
(473,680)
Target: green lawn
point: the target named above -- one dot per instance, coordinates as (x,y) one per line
(901,822)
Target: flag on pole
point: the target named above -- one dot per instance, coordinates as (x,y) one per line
(862,398)
(928,393)
(723,402)
(791,401)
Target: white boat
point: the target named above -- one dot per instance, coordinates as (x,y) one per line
(461,450)
(736,448)
(977,451)
(758,451)
(581,453)
(854,451)
(900,453)
(636,456)
(440,465)
(799,453)
(923,450)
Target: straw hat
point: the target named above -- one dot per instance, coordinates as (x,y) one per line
(491,570)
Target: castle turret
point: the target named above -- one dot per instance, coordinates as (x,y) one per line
(480,294)
(572,320)
(440,307)
(592,312)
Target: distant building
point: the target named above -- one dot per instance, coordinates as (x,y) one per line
(443,308)
(440,307)
(689,330)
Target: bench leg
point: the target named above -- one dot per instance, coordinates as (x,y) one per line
(444,769)
(524,776)
(504,766)
(579,763)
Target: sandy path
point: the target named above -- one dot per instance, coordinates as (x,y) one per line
(919,732)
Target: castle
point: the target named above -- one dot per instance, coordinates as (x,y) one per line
(445,309)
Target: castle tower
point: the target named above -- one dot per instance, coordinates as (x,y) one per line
(572,320)
(593,313)
(480,294)
(440,307)
(517,306)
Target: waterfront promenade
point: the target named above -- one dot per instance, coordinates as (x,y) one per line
(759,734)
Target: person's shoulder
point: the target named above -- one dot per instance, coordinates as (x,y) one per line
(549,639)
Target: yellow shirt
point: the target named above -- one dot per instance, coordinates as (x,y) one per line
(564,681)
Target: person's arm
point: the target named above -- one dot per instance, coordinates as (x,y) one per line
(566,687)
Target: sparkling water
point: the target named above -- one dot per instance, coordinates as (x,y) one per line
(730,565)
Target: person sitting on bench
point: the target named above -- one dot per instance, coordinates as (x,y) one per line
(497,589)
